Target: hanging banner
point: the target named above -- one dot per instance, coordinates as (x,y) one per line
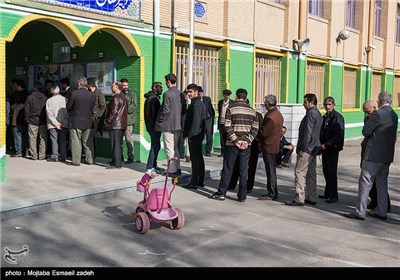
(129,9)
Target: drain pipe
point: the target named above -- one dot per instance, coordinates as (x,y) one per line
(191,43)
(156,38)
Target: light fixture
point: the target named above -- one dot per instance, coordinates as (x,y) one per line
(46,58)
(302,45)
(74,56)
(344,34)
(370,48)
(100,54)
(26,59)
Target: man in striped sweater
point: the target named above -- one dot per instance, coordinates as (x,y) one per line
(241,125)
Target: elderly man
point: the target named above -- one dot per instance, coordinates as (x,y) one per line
(116,122)
(381,131)
(80,109)
(270,136)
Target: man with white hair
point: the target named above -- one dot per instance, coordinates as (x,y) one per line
(57,124)
(381,132)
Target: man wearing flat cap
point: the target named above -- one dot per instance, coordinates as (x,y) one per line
(223,104)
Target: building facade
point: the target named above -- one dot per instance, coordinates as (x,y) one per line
(348,49)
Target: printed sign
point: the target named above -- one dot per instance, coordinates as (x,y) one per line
(119,8)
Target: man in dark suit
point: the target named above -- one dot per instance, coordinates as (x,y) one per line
(210,114)
(223,104)
(381,131)
(194,129)
(80,109)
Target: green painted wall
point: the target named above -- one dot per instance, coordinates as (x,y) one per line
(291,77)
(241,70)
(335,85)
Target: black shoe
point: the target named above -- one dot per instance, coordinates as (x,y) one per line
(221,155)
(110,162)
(190,186)
(310,202)
(374,215)
(249,191)
(241,199)
(353,216)
(323,197)
(217,196)
(293,203)
(129,160)
(331,200)
(113,167)
(175,174)
(208,154)
(201,185)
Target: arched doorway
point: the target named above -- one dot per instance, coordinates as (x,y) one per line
(40,47)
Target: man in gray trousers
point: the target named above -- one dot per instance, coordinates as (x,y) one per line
(381,131)
(307,150)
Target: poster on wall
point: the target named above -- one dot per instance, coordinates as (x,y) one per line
(130,9)
(103,72)
(47,72)
(72,71)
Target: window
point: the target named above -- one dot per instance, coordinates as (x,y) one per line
(396,92)
(205,69)
(378,17)
(398,24)
(316,7)
(316,80)
(376,86)
(350,13)
(268,78)
(350,88)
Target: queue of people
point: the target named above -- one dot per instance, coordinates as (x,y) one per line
(244,135)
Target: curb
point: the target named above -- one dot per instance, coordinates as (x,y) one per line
(96,194)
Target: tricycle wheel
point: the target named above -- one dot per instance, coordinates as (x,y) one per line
(179,221)
(142,222)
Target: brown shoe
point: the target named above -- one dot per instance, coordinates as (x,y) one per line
(15,155)
(187,158)
(279,166)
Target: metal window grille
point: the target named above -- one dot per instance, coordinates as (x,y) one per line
(350,13)
(205,69)
(349,88)
(396,92)
(378,17)
(376,85)
(316,7)
(316,80)
(268,78)
(398,25)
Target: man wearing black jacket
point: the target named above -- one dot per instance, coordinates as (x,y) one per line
(332,140)
(151,109)
(210,114)
(194,130)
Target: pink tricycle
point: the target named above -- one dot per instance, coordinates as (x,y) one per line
(156,204)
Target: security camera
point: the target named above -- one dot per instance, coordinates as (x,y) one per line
(372,47)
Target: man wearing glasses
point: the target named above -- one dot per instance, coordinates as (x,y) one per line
(332,140)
